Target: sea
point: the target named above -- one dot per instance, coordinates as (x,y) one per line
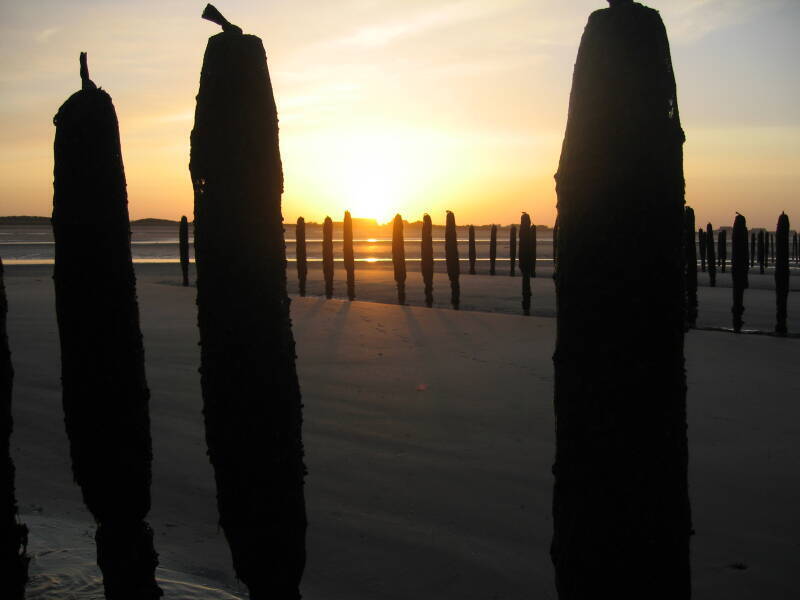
(33,244)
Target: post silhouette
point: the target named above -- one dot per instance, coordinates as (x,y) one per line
(251,397)
(452,260)
(426,263)
(13,535)
(768,239)
(300,254)
(493,249)
(690,254)
(534,250)
(512,248)
(525,253)
(555,246)
(701,242)
(739,269)
(711,258)
(473,254)
(327,256)
(104,387)
(762,253)
(781,273)
(399,258)
(752,249)
(722,252)
(349,255)
(621,506)
(183,243)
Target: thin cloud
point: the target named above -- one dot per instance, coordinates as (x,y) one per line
(422,22)
(44,36)
(692,20)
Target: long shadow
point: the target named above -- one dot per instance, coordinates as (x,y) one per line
(339,322)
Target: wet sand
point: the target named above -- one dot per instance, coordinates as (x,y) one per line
(429,440)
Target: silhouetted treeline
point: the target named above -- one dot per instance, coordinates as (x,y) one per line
(105,393)
(621,505)
(251,397)
(13,535)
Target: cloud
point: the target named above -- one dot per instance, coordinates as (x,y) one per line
(691,20)
(421,22)
(44,36)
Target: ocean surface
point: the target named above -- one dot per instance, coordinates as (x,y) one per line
(33,244)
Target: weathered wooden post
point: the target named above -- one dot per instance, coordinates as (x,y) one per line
(251,396)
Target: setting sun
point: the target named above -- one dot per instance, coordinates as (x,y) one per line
(372,174)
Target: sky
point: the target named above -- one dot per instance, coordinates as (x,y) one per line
(403,107)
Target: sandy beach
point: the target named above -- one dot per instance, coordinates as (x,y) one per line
(429,441)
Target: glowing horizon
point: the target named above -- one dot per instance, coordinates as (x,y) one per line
(422,107)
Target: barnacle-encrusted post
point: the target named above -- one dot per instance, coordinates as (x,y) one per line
(525,261)
(251,396)
(327,256)
(711,256)
(452,259)
(13,534)
(512,248)
(399,258)
(690,253)
(739,269)
(492,250)
(426,262)
(349,255)
(183,243)
(472,251)
(781,273)
(621,505)
(104,387)
(300,254)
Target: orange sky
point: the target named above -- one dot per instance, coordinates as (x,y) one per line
(412,107)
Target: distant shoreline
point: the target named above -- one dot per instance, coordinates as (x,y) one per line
(358,223)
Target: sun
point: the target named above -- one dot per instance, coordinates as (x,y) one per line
(374,173)
(373,177)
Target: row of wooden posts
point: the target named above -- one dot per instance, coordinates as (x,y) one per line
(522,250)
(747,250)
(251,397)
(761,248)
(764,249)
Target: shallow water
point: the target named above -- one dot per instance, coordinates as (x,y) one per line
(35,245)
(63,566)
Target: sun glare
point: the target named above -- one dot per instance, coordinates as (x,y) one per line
(373,174)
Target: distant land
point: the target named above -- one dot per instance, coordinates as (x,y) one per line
(358,223)
(27,220)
